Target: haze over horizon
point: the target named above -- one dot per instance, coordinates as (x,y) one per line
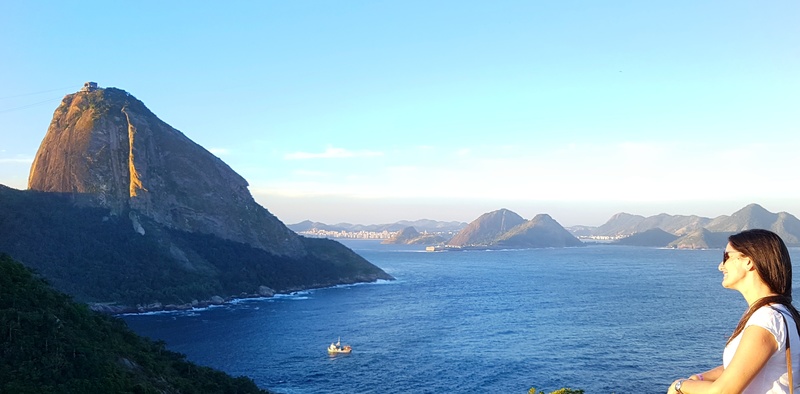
(373,113)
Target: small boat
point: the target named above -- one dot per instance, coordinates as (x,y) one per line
(337,348)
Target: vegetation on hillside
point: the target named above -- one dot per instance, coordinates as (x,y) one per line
(98,257)
(50,344)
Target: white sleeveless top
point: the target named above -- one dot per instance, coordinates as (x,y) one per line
(773,378)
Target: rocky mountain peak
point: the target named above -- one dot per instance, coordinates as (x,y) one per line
(486,228)
(107,146)
(541,231)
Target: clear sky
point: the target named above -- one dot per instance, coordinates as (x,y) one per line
(379,111)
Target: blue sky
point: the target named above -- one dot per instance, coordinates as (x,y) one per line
(380,111)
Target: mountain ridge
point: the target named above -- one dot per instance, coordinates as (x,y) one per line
(694,232)
(685,231)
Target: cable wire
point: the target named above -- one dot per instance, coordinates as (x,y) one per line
(6,110)
(44,91)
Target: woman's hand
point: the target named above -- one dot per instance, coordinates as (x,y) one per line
(671,389)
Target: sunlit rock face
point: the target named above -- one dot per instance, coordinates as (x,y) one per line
(105,145)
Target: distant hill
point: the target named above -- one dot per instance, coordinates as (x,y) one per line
(485,229)
(410,236)
(755,216)
(540,232)
(701,239)
(308,225)
(506,229)
(623,224)
(620,225)
(50,344)
(653,237)
(422,225)
(699,232)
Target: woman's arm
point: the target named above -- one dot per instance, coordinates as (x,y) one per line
(710,375)
(755,348)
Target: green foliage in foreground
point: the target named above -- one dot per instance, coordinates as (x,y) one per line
(50,344)
(559,391)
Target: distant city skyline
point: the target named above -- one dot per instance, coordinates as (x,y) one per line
(372,113)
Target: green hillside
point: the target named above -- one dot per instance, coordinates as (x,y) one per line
(50,344)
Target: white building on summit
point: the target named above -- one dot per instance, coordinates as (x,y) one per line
(89,87)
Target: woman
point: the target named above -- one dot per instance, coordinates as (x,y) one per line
(757,264)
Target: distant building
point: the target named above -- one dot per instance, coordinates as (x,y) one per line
(89,87)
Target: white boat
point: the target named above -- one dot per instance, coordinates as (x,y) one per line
(337,348)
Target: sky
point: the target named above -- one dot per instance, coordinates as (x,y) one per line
(374,112)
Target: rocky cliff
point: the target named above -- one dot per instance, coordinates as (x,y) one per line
(107,146)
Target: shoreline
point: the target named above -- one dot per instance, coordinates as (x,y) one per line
(265,293)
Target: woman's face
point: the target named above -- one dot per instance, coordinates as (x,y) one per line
(733,267)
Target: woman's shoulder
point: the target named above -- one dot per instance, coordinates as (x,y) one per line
(767,316)
(770,317)
(771,312)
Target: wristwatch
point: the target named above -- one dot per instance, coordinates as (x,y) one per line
(678,386)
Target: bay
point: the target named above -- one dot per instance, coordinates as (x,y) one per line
(605,319)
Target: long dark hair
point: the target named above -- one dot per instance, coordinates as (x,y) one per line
(773,263)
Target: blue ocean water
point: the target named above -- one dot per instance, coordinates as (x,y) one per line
(605,319)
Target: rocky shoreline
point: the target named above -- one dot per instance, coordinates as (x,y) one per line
(114,309)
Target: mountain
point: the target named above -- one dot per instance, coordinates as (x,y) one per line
(486,228)
(51,344)
(688,228)
(506,229)
(540,232)
(653,237)
(621,224)
(108,147)
(403,236)
(307,225)
(124,208)
(410,236)
(755,216)
(674,224)
(701,239)
(624,224)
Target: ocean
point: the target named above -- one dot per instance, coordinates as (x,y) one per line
(601,318)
